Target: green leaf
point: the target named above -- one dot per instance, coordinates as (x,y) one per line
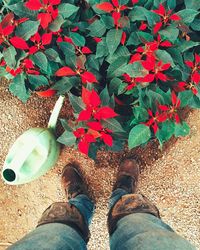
(138,135)
(137,14)
(52,55)
(114,85)
(77,103)
(67,138)
(145,36)
(154,98)
(134,70)
(165,57)
(181,129)
(66,125)
(113,125)
(77,39)
(37,81)
(140,114)
(187,15)
(105,97)
(9,56)
(18,88)
(113,69)
(121,51)
(194,102)
(97,28)
(192,4)
(21,11)
(166,131)
(93,149)
(176,55)
(196,24)
(56,24)
(27,29)
(185,97)
(185,45)
(41,61)
(64,85)
(113,39)
(171,4)
(92,63)
(133,39)
(102,49)
(69,52)
(170,33)
(67,9)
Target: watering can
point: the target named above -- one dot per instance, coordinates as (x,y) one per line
(33,153)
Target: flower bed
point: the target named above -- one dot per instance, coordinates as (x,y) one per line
(128,67)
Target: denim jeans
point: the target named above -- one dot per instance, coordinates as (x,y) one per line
(137,231)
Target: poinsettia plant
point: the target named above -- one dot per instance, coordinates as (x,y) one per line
(127,66)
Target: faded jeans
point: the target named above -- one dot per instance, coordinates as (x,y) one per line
(137,231)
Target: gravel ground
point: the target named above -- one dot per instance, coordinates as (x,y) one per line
(170,177)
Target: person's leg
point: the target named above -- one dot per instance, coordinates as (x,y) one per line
(63,225)
(134,222)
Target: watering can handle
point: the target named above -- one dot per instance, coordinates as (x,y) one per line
(55,113)
(21,156)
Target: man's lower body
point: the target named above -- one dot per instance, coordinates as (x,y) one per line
(133,221)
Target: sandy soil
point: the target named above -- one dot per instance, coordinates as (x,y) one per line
(170,177)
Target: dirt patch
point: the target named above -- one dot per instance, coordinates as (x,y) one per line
(170,178)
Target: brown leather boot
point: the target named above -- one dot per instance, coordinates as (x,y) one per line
(64,212)
(72,181)
(127,177)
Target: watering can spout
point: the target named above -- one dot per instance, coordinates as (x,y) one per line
(12,167)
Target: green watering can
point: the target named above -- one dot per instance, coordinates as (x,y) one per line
(33,153)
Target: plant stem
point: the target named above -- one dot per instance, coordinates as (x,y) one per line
(55,113)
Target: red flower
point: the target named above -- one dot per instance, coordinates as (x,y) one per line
(143,26)
(123,39)
(25,66)
(19,43)
(47,6)
(6,28)
(98,131)
(84,140)
(40,42)
(155,120)
(46,93)
(171,111)
(195,67)
(86,76)
(155,69)
(97,39)
(149,49)
(93,109)
(115,8)
(132,82)
(165,17)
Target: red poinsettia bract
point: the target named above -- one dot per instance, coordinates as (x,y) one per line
(40,42)
(149,49)
(131,81)
(25,66)
(171,111)
(93,109)
(155,69)
(194,78)
(154,120)
(165,17)
(49,11)
(114,8)
(86,76)
(85,139)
